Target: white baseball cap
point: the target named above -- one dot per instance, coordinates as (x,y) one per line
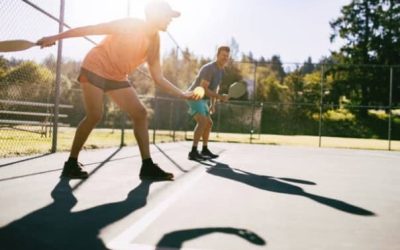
(159,7)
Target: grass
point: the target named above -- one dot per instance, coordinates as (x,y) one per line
(308,141)
(18,143)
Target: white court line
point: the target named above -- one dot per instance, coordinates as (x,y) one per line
(122,241)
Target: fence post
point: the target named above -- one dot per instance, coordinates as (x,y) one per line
(390,109)
(58,79)
(254,101)
(123,121)
(321,106)
(172,119)
(219,106)
(155,119)
(260,123)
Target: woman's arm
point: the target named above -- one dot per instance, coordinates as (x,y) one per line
(167,86)
(119,26)
(153,60)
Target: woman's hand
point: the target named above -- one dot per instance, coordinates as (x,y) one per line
(47,41)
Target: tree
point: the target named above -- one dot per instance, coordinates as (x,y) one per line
(170,66)
(50,62)
(28,73)
(28,79)
(141,80)
(295,82)
(386,43)
(276,66)
(312,90)
(371,31)
(234,46)
(187,69)
(308,67)
(3,66)
(249,58)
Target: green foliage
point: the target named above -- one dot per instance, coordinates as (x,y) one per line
(295,83)
(276,66)
(28,73)
(141,80)
(312,89)
(3,66)
(273,91)
(379,114)
(170,63)
(181,69)
(27,80)
(308,67)
(338,115)
(371,31)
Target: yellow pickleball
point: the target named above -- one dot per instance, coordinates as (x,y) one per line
(199,91)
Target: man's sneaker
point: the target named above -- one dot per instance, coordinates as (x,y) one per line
(73,170)
(207,153)
(195,156)
(152,171)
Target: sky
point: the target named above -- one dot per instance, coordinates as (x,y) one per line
(292,29)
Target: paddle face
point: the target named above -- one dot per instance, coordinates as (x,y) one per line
(237,89)
(15,45)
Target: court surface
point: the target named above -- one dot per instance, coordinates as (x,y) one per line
(251,197)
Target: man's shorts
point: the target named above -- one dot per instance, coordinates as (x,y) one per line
(100,82)
(198,107)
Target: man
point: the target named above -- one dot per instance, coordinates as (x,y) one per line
(128,43)
(209,77)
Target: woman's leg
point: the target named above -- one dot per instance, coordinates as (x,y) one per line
(93,101)
(129,102)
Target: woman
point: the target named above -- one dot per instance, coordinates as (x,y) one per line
(129,43)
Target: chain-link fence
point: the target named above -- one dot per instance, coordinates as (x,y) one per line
(26,88)
(332,100)
(309,104)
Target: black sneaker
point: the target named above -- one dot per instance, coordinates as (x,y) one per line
(152,171)
(74,170)
(195,156)
(207,153)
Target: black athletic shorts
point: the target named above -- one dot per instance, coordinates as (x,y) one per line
(102,83)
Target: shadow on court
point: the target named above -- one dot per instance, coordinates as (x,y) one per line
(56,227)
(99,165)
(24,160)
(280,185)
(176,239)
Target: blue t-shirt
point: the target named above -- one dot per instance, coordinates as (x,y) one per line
(211,73)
